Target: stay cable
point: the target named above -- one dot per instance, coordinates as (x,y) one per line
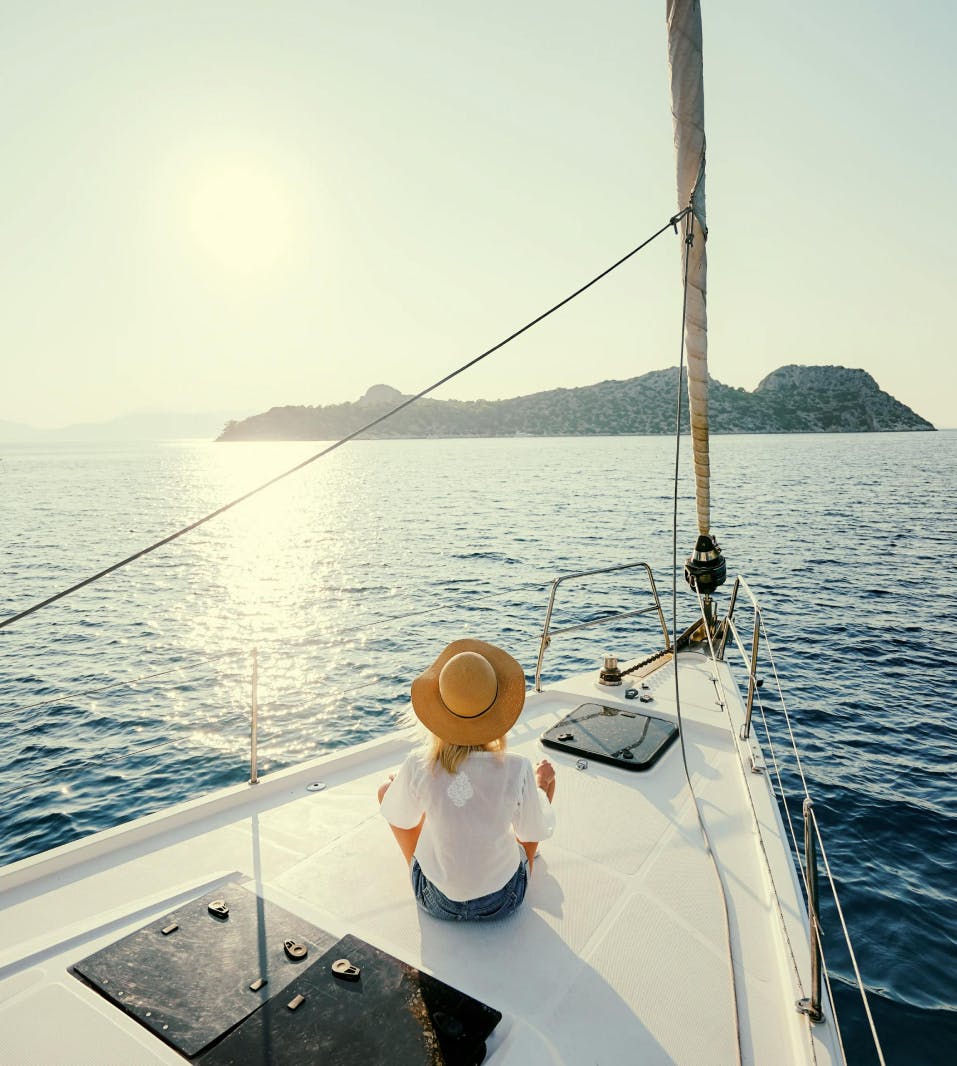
(672,223)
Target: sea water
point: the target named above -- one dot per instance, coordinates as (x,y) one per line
(347,578)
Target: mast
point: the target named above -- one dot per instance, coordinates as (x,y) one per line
(706,567)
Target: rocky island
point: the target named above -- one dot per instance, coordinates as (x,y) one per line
(792,399)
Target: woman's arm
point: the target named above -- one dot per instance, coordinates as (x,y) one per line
(405,838)
(545,780)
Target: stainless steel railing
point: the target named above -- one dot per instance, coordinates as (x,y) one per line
(254,722)
(548,633)
(812,1004)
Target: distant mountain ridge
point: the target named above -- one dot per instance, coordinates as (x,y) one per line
(142,425)
(792,399)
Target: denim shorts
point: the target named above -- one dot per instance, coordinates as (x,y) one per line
(498,904)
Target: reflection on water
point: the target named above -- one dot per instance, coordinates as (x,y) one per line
(351,575)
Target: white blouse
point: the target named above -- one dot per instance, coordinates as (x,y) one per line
(468,845)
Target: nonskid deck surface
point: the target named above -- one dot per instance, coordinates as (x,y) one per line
(620,952)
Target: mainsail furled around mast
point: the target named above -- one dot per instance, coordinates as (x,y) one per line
(687,106)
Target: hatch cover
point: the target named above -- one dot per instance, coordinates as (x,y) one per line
(187,976)
(388,1012)
(612,735)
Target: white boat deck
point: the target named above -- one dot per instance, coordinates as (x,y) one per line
(620,953)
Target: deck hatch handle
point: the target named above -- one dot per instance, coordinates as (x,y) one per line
(192,988)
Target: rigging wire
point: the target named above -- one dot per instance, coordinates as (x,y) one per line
(672,223)
(820,843)
(723,698)
(767,859)
(847,940)
(739,643)
(817,830)
(792,831)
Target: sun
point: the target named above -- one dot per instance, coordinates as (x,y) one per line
(241,217)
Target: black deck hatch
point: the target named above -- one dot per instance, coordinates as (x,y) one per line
(187,976)
(390,1012)
(230,978)
(614,735)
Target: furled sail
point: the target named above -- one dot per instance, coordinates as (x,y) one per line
(687,105)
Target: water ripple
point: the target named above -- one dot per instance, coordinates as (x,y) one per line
(347,596)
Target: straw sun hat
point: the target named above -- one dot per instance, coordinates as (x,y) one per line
(472,694)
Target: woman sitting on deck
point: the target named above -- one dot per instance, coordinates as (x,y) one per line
(466,813)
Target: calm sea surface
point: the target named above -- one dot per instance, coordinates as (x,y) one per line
(348,578)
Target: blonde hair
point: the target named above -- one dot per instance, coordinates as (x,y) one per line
(440,752)
(451,756)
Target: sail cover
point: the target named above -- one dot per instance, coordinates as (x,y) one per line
(687,106)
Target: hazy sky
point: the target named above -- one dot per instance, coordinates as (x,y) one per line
(234,205)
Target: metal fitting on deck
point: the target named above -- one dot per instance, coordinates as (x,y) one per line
(706,569)
(609,674)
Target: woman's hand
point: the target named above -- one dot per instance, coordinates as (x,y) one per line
(384,787)
(545,778)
